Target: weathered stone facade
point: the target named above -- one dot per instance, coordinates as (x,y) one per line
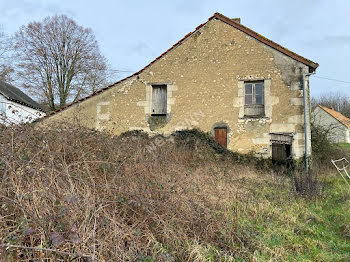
(205,75)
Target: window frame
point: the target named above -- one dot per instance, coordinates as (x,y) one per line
(253,94)
(254,106)
(160,85)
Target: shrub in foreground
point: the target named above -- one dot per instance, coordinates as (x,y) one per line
(90,193)
(72,194)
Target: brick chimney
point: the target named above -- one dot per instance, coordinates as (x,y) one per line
(237,20)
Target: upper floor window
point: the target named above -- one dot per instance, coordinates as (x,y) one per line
(254,99)
(159,99)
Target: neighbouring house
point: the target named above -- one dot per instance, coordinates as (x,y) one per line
(16,107)
(222,78)
(334,123)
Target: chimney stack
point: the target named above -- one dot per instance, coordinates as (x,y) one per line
(237,20)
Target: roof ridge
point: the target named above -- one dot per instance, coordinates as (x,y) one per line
(134,74)
(12,93)
(222,18)
(267,41)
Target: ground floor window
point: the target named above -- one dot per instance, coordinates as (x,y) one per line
(281,144)
(281,152)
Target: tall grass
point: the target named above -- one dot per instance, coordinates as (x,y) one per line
(69,193)
(90,193)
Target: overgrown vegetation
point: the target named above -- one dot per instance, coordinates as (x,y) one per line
(323,151)
(95,196)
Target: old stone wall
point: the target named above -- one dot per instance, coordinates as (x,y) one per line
(205,81)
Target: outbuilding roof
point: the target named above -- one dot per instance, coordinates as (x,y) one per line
(16,95)
(338,116)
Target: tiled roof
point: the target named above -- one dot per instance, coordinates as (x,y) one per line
(338,116)
(312,65)
(16,95)
(266,41)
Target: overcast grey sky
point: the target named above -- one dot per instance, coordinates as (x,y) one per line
(133,33)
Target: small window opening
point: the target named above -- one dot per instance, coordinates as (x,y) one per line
(281,153)
(159,100)
(281,148)
(254,104)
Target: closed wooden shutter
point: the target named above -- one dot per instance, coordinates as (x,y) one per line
(281,146)
(159,99)
(279,152)
(221,135)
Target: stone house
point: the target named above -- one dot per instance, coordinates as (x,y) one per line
(222,78)
(336,125)
(16,107)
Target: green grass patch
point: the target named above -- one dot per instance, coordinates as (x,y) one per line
(345,145)
(296,229)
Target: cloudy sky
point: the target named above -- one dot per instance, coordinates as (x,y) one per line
(132,33)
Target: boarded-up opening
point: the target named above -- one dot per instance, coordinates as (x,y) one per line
(281,147)
(221,135)
(159,99)
(280,152)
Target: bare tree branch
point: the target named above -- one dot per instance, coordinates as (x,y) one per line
(338,101)
(6,69)
(59,60)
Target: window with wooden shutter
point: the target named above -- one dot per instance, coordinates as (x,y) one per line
(254,104)
(281,147)
(159,100)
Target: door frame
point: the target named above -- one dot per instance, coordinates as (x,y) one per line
(285,140)
(221,125)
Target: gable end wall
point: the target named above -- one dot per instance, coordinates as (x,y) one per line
(205,77)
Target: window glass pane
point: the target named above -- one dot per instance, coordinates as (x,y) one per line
(259,93)
(259,99)
(248,88)
(248,99)
(259,87)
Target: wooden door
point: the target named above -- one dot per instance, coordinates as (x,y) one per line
(221,136)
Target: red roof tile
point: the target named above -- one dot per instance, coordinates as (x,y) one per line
(266,41)
(338,116)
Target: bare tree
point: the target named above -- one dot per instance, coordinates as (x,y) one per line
(6,69)
(338,101)
(59,60)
